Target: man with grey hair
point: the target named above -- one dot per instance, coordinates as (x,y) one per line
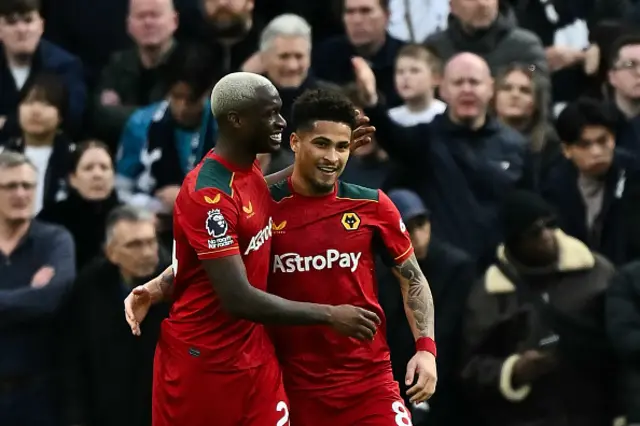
(101,392)
(285,46)
(213,339)
(285,52)
(37,266)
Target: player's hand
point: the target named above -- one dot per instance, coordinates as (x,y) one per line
(422,364)
(362,134)
(366,81)
(136,307)
(353,321)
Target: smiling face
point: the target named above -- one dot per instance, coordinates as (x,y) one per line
(261,123)
(322,152)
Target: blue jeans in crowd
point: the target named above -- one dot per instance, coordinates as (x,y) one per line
(30,404)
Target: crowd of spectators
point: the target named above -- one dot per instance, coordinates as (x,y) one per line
(508,136)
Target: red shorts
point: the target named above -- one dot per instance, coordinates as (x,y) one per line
(378,405)
(187,394)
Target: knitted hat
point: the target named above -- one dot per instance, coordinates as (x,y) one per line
(521,210)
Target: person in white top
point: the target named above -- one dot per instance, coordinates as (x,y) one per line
(40,117)
(416,75)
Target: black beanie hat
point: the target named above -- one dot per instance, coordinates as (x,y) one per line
(521,210)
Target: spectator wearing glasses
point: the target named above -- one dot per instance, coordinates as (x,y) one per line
(37,267)
(109,371)
(624,77)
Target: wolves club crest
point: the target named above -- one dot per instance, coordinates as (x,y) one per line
(216,224)
(350,221)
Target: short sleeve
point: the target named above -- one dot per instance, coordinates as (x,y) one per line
(392,230)
(209,224)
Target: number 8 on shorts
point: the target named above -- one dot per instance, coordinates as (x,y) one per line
(402,415)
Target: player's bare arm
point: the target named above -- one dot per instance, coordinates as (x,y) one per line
(418,302)
(241,299)
(417,297)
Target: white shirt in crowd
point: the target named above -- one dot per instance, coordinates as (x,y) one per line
(39,156)
(426,18)
(403,116)
(20,75)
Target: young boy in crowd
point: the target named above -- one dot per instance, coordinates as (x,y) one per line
(416,76)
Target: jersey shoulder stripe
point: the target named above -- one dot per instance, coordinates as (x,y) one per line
(356,192)
(214,174)
(279,191)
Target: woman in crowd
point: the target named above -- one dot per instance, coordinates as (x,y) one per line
(91,196)
(40,115)
(521,101)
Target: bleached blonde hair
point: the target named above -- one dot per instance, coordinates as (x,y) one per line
(235,90)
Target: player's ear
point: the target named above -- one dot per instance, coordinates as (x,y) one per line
(234,119)
(294,142)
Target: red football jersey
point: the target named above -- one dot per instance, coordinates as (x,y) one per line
(221,210)
(323,252)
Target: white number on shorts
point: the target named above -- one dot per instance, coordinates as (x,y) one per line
(402,415)
(282,406)
(174,260)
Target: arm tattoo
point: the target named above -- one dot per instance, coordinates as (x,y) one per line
(419,299)
(166,282)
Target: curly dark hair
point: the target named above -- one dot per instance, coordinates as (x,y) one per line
(322,105)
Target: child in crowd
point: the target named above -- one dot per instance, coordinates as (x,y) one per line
(416,76)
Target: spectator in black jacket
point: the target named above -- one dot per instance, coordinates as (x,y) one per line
(109,375)
(450,273)
(23,54)
(624,77)
(588,185)
(365,22)
(90,198)
(522,102)
(462,163)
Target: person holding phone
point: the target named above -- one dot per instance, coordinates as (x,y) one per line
(535,350)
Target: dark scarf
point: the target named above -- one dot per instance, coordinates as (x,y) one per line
(167,169)
(84,219)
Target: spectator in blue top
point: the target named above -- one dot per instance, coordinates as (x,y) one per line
(163,142)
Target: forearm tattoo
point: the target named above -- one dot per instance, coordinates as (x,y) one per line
(419,298)
(166,282)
